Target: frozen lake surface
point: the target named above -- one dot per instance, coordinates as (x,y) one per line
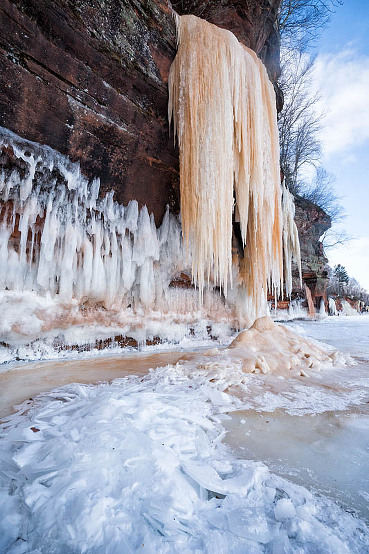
(155,463)
(327,446)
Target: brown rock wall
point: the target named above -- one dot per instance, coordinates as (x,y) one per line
(89,79)
(312,222)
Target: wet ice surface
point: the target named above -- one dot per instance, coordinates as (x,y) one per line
(327,452)
(349,334)
(141,464)
(327,448)
(24,381)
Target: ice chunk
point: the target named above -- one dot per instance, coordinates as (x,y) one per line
(284,509)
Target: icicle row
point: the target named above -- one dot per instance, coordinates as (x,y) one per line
(291,243)
(58,238)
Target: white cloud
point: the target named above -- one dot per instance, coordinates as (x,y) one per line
(354,256)
(343,80)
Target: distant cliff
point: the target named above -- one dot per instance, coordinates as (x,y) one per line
(312,222)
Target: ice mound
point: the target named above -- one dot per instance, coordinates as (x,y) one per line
(267,347)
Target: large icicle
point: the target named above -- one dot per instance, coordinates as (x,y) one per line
(291,243)
(223,108)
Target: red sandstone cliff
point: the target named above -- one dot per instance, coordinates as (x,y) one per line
(89,78)
(312,222)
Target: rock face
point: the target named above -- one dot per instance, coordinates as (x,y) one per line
(312,222)
(89,79)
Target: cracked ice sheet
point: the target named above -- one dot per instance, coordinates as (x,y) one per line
(139,464)
(331,390)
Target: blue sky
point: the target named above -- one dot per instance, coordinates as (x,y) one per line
(342,75)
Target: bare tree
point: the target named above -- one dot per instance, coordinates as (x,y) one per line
(321,192)
(334,237)
(302,21)
(300,121)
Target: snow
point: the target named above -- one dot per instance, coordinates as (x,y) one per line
(141,464)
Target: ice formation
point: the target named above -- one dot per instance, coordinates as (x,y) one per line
(70,258)
(332,306)
(58,237)
(347,309)
(295,311)
(322,312)
(267,347)
(139,465)
(223,108)
(310,301)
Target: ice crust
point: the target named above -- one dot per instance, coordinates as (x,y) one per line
(34,327)
(138,464)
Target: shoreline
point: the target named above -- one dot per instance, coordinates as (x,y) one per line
(33,378)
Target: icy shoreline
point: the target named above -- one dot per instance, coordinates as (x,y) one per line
(142,464)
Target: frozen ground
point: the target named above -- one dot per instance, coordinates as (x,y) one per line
(141,464)
(327,447)
(348,333)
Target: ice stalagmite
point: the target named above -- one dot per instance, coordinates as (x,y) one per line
(223,108)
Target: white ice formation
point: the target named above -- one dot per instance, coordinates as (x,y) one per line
(75,268)
(332,306)
(58,237)
(267,347)
(139,465)
(347,309)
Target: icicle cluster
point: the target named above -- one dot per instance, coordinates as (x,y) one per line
(291,243)
(57,237)
(223,108)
